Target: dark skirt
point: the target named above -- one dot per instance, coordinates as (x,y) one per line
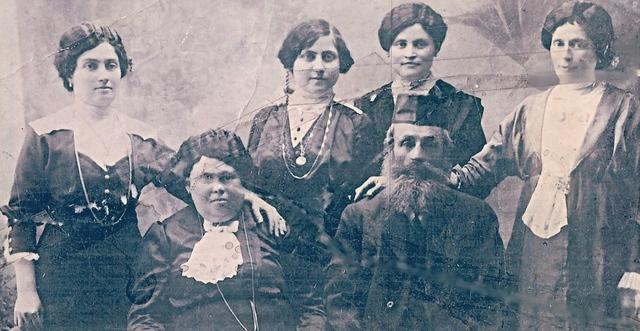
(272,314)
(543,282)
(83,285)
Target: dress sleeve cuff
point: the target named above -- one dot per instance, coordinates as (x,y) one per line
(10,258)
(630,280)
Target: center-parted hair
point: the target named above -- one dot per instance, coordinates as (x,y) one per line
(304,35)
(81,38)
(595,21)
(406,15)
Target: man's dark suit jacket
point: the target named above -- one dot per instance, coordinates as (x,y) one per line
(392,272)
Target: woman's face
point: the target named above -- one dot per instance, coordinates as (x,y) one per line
(216,190)
(412,54)
(97,75)
(317,68)
(573,55)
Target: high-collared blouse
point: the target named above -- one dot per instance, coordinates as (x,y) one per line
(163,295)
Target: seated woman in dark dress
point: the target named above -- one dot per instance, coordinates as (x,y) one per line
(211,266)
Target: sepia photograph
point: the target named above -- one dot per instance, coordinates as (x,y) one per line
(320,165)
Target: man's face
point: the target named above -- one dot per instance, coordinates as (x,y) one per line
(216,190)
(417,149)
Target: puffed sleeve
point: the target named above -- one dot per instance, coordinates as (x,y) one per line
(342,274)
(161,196)
(150,307)
(29,194)
(496,160)
(257,127)
(152,158)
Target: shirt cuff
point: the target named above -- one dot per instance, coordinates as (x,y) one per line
(10,258)
(630,280)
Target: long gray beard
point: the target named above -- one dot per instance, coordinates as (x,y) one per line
(411,189)
(411,196)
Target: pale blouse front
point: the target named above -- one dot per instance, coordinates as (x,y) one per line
(568,113)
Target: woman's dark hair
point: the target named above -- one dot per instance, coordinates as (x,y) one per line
(406,15)
(595,21)
(305,35)
(218,144)
(84,37)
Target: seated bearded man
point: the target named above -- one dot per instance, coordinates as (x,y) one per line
(419,255)
(211,266)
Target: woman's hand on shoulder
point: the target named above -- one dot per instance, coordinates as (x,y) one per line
(27,314)
(259,207)
(370,187)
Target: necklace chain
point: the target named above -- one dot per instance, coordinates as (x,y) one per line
(254,312)
(314,166)
(84,186)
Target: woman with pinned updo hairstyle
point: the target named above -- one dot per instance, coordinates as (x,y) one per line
(573,252)
(73,226)
(412,35)
(310,152)
(213,261)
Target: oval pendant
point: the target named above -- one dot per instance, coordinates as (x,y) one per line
(301,160)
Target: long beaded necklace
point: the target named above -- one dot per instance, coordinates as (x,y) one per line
(302,159)
(92,205)
(254,312)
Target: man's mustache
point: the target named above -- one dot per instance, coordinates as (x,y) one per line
(420,170)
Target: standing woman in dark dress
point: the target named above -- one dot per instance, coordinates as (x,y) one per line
(412,35)
(78,177)
(311,151)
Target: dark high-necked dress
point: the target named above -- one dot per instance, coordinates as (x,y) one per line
(335,171)
(312,205)
(84,262)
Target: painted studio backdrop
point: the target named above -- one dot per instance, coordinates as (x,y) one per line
(203,64)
